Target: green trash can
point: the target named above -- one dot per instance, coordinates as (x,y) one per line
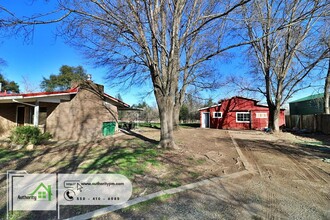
(108,128)
(112,127)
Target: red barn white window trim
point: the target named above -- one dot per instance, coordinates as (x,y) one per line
(243,117)
(217,114)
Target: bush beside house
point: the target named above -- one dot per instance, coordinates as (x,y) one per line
(28,135)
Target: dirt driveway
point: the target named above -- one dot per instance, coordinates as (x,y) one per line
(292,181)
(288,180)
(286,177)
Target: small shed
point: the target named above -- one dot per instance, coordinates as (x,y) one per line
(237,113)
(308,105)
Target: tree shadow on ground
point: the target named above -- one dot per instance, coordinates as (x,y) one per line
(48,160)
(299,150)
(73,157)
(320,144)
(141,137)
(212,201)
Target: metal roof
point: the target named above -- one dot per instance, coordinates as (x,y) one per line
(311,97)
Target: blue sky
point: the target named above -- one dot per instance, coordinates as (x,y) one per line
(45,54)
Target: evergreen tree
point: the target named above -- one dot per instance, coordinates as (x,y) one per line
(9,86)
(64,80)
(184,113)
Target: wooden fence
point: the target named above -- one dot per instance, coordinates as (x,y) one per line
(313,123)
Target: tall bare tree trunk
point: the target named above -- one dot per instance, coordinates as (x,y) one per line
(166,106)
(326,91)
(179,98)
(177,107)
(176,116)
(274,119)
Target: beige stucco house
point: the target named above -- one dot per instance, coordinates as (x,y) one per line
(75,114)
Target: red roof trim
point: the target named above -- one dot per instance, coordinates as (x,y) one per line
(4,94)
(35,94)
(74,90)
(70,91)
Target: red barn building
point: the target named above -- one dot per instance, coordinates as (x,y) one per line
(237,113)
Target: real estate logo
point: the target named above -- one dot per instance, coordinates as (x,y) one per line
(43,192)
(32,192)
(40,193)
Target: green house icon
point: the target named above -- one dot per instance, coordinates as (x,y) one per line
(42,192)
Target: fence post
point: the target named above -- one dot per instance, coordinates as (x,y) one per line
(314,123)
(321,122)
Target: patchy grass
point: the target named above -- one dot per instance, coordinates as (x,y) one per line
(18,215)
(149,125)
(194,161)
(195,175)
(167,184)
(157,125)
(125,161)
(190,125)
(145,206)
(7,155)
(200,161)
(313,143)
(317,148)
(128,158)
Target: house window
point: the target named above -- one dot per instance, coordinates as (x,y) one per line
(243,117)
(261,115)
(42,195)
(217,114)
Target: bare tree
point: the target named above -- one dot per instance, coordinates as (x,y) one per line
(145,39)
(326,98)
(286,29)
(29,86)
(164,41)
(325,42)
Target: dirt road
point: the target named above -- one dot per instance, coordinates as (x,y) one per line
(291,178)
(288,180)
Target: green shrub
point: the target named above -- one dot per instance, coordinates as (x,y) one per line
(46,136)
(28,134)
